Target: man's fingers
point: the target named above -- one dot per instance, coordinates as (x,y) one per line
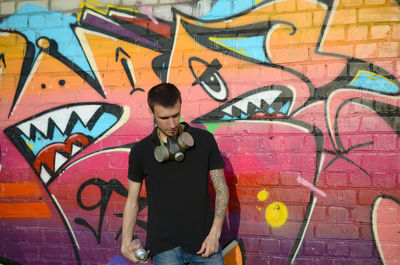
(208,252)
(201,251)
(147,259)
(131,257)
(129,253)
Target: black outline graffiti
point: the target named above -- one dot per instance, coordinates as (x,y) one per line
(6,261)
(52,50)
(348,74)
(30,59)
(106,190)
(162,42)
(319,143)
(206,78)
(125,65)
(26,68)
(3,60)
(14,134)
(216,115)
(342,153)
(202,36)
(159,63)
(383,196)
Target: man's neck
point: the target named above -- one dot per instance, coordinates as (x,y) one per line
(162,136)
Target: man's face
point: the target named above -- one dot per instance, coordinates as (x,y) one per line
(167,119)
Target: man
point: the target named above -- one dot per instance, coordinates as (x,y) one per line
(181,228)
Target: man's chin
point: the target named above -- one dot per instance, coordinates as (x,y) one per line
(171,133)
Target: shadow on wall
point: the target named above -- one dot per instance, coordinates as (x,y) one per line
(231,244)
(232,221)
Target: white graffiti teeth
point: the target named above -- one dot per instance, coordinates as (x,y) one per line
(59,160)
(60,118)
(75,149)
(44,174)
(256,99)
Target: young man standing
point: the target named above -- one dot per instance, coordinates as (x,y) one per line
(181,227)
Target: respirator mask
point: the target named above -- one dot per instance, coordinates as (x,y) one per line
(174,148)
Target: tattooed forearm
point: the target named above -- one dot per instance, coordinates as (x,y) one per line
(221,192)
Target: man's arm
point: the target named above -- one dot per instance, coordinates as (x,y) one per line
(211,243)
(129,220)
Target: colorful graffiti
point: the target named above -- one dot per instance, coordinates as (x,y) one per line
(302,97)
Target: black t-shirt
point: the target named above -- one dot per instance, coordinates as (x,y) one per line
(179,208)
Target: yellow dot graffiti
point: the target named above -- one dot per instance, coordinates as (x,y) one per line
(276,214)
(262,195)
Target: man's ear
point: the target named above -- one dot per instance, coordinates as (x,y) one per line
(154,117)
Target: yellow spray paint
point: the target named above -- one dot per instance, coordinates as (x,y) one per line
(276,214)
(262,195)
(30,145)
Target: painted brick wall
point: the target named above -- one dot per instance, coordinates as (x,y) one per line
(301,96)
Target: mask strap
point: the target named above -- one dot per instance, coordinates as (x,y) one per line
(180,130)
(159,137)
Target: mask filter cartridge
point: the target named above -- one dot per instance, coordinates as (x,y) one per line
(175,148)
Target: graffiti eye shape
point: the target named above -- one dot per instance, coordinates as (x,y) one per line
(210,80)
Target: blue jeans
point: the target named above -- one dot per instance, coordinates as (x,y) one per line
(177,256)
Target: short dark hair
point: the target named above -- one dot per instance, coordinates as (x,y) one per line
(164,94)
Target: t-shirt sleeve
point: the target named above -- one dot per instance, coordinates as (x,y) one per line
(135,170)
(215,159)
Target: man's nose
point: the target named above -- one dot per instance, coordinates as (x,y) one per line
(172,122)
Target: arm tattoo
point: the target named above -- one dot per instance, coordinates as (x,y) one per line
(221,192)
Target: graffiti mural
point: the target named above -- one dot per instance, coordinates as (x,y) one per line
(303,98)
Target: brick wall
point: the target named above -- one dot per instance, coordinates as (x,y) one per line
(301,96)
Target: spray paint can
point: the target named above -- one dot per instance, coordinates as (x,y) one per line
(140,253)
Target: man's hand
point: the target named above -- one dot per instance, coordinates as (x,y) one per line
(210,246)
(129,253)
